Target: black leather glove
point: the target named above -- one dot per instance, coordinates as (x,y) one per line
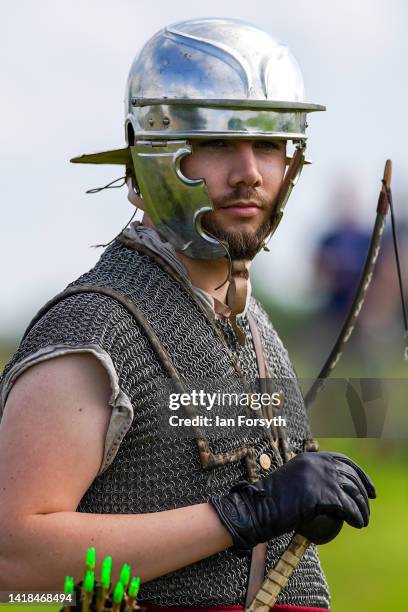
(309,485)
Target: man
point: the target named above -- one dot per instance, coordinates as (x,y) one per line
(210,106)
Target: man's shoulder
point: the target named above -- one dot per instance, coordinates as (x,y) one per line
(81,315)
(118,262)
(96,295)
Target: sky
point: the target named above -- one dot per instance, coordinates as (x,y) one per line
(63,69)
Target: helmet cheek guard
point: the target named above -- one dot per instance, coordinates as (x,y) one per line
(290,179)
(160,181)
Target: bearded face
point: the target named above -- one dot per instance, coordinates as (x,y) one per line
(243,179)
(244,241)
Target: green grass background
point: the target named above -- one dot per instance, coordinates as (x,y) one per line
(367,569)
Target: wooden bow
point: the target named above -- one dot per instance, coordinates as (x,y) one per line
(279,575)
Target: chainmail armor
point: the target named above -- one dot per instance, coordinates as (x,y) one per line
(149,472)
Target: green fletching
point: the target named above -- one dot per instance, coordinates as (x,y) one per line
(106,572)
(106,577)
(125,574)
(107,562)
(69,584)
(118,592)
(89,581)
(134,587)
(90,557)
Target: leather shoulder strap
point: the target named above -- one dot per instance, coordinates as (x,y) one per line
(256,337)
(257,568)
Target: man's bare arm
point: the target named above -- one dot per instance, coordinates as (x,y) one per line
(51,447)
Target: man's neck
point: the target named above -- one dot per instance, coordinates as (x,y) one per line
(207,274)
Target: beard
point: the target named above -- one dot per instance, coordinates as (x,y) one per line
(242,244)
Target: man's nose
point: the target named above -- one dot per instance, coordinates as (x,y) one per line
(244,166)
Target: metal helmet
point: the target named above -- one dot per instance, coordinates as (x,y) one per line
(222,77)
(204,78)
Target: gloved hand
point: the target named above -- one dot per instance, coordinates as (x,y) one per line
(309,485)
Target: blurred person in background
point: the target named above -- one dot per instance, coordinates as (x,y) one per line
(338,263)
(340,254)
(381,329)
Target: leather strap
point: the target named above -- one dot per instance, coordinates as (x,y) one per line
(237,293)
(257,568)
(256,337)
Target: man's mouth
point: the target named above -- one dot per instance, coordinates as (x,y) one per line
(242,204)
(242,208)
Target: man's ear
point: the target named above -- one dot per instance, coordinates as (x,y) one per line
(133,193)
(135,199)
